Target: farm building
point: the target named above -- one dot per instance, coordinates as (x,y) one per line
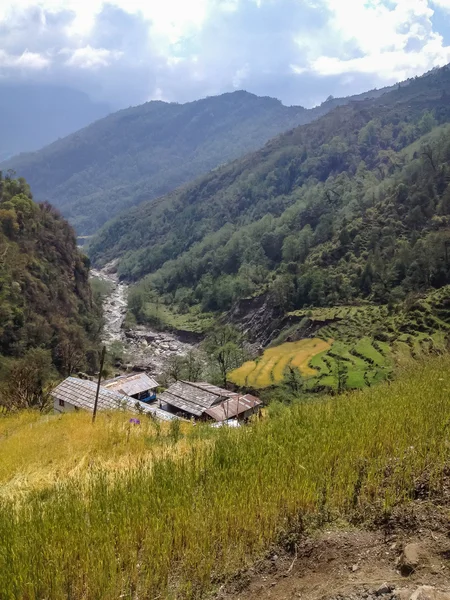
(205,401)
(79,394)
(136,385)
(236,407)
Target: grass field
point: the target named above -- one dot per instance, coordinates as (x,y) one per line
(170,318)
(177,523)
(40,451)
(269,368)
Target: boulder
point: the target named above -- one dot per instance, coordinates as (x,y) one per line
(384,589)
(427,592)
(410,558)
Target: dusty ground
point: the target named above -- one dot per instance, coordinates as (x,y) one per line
(355,564)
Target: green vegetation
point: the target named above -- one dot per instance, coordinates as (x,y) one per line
(140,153)
(143,152)
(352,206)
(216,499)
(148,307)
(49,322)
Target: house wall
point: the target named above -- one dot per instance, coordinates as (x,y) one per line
(67,408)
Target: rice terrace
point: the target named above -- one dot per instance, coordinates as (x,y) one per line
(269,368)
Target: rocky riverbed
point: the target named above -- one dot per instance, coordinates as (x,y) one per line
(144,348)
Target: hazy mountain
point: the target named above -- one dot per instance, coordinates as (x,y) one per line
(33,115)
(144,152)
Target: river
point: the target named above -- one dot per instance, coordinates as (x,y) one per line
(145,349)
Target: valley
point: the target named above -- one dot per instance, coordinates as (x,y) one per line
(303,280)
(141,348)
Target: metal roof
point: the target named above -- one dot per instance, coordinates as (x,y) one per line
(208,387)
(194,397)
(234,406)
(81,393)
(131,385)
(187,406)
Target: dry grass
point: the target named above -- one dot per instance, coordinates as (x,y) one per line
(172,527)
(39,451)
(269,368)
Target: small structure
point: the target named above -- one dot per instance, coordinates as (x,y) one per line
(136,385)
(192,399)
(236,407)
(79,394)
(200,400)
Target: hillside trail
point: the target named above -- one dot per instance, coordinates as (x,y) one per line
(356,564)
(145,349)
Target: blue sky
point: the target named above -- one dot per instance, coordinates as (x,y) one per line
(128,51)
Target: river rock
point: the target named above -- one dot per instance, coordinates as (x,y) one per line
(383,589)
(410,558)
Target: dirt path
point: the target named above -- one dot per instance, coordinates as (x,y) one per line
(353,564)
(145,349)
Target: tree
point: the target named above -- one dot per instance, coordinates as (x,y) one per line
(340,373)
(292,380)
(224,347)
(25,385)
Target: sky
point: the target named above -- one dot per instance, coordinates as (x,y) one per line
(125,52)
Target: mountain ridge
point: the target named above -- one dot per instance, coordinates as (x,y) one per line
(280,218)
(143,152)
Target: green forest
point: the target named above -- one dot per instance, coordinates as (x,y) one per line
(354,205)
(143,152)
(49,320)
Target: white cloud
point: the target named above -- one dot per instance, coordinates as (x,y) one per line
(392,41)
(442,3)
(26,60)
(92,58)
(298,50)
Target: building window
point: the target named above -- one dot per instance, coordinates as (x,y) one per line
(61,402)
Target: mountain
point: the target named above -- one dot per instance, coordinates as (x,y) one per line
(33,115)
(353,205)
(144,152)
(48,319)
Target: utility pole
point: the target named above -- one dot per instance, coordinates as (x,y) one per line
(102,360)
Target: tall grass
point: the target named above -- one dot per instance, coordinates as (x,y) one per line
(173,526)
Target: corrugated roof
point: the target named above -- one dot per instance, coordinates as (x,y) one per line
(191,393)
(151,409)
(208,387)
(81,393)
(233,407)
(187,406)
(133,384)
(194,397)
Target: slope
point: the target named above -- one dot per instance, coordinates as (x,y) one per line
(47,315)
(34,115)
(143,152)
(182,512)
(348,206)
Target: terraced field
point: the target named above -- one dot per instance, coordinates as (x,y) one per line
(368,341)
(269,369)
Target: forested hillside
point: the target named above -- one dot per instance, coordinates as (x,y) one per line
(49,323)
(354,205)
(143,152)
